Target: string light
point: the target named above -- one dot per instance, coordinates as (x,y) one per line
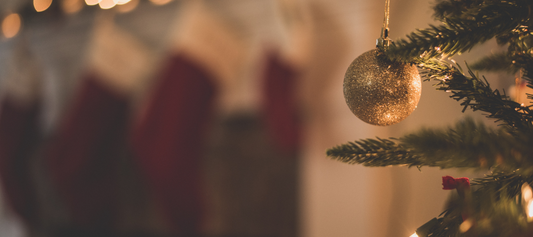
(41,5)
(11,25)
(160,2)
(527,196)
(107,4)
(527,193)
(74,6)
(92,2)
(414,235)
(530,210)
(465,226)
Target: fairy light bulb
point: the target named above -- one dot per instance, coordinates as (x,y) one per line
(527,198)
(11,25)
(92,2)
(465,226)
(527,193)
(41,5)
(107,4)
(160,2)
(530,210)
(414,235)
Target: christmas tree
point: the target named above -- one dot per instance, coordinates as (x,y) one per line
(500,204)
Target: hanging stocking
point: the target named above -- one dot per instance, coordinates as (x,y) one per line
(19,133)
(84,153)
(282,70)
(279,105)
(168,140)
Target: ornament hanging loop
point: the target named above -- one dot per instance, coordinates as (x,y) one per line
(384,41)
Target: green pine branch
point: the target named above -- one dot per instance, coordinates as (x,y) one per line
(518,57)
(495,206)
(466,24)
(462,30)
(477,94)
(497,62)
(466,145)
(374,152)
(456,9)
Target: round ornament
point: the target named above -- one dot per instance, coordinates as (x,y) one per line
(381,92)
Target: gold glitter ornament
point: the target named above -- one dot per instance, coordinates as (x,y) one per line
(381,92)
(378,91)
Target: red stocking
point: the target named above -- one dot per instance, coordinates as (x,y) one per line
(168,142)
(279,103)
(18,139)
(83,155)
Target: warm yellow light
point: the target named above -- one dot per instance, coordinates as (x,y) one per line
(107,4)
(92,2)
(71,6)
(11,25)
(465,226)
(414,235)
(160,2)
(41,5)
(530,210)
(122,2)
(128,7)
(527,193)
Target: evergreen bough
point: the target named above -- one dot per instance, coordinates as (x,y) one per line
(495,204)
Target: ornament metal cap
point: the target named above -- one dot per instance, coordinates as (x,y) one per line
(384,41)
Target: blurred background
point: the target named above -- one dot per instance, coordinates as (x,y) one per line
(203,118)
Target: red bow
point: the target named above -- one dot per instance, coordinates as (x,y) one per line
(448,182)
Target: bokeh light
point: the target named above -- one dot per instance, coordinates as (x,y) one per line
(527,193)
(160,2)
(466,225)
(41,5)
(107,4)
(11,25)
(92,2)
(122,2)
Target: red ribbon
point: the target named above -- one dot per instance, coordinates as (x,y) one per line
(449,183)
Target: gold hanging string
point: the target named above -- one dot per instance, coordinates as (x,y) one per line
(384,40)
(385,30)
